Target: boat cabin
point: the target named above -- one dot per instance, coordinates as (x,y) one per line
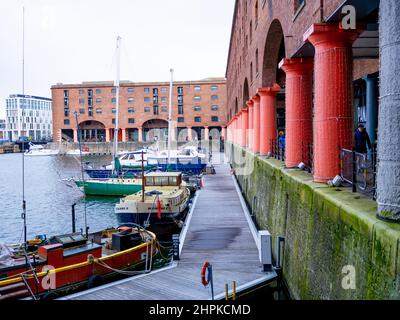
(162,179)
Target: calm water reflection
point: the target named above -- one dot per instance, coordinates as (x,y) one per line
(48,198)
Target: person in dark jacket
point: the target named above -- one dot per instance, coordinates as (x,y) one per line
(361,139)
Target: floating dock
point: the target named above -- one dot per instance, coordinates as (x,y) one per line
(218,230)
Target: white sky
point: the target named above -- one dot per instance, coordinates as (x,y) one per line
(71,41)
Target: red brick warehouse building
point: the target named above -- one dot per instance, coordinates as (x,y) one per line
(314,81)
(198,110)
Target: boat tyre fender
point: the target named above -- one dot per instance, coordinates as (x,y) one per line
(95,281)
(51,295)
(204,280)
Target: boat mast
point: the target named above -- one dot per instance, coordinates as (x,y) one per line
(170,116)
(115,150)
(23,216)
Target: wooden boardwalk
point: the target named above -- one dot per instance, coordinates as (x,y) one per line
(218,231)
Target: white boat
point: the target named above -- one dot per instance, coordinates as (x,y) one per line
(133,159)
(187,155)
(77,152)
(39,150)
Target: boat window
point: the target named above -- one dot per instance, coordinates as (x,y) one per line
(172,181)
(164,181)
(150,181)
(132,157)
(124,157)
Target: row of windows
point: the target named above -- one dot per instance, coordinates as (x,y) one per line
(180,119)
(145,90)
(198,119)
(146,109)
(146,99)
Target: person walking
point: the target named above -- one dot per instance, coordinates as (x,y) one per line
(361,139)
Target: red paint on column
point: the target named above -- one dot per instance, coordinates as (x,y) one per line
(256,124)
(239,129)
(333,106)
(298,135)
(268,130)
(250,105)
(245,124)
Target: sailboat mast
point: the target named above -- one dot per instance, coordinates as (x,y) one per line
(170,115)
(23,144)
(117,76)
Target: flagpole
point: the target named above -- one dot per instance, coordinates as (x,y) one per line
(170,115)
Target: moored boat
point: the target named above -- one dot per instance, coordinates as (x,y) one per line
(161,202)
(68,262)
(39,150)
(117,187)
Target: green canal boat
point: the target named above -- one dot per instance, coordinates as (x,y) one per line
(117,187)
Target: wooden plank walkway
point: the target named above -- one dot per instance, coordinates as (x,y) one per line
(218,231)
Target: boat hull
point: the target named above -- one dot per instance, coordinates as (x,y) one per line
(103,188)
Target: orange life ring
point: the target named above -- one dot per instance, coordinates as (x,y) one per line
(204,280)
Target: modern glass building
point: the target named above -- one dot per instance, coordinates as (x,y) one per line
(28,116)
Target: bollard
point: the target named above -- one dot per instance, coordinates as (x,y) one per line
(175,246)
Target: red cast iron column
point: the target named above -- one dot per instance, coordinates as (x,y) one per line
(245,121)
(298,135)
(333,106)
(256,124)
(267,117)
(250,105)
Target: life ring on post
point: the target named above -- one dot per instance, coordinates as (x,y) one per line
(204,269)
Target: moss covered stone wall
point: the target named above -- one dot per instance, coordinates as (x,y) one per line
(326,229)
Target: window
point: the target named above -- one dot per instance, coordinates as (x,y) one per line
(131,120)
(82,111)
(256,61)
(197,108)
(155,110)
(163,99)
(256,13)
(146,90)
(180,90)
(81,101)
(98,91)
(197,98)
(163,109)
(130,100)
(214,88)
(214,97)
(131,110)
(214,108)
(81,92)
(163,89)
(197,119)
(113,121)
(113,100)
(214,119)
(155,91)
(146,109)
(66,113)
(114,110)
(180,109)
(131,90)
(113,90)
(298,5)
(181,119)
(90,112)
(98,110)
(251,72)
(66,122)
(98,100)
(197,88)
(146,99)
(251,31)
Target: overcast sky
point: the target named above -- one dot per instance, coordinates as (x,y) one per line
(71,41)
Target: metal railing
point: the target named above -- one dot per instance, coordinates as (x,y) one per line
(277,151)
(359,170)
(307,154)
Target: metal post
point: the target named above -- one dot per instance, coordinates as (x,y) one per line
(354,185)
(73,218)
(211,281)
(233,290)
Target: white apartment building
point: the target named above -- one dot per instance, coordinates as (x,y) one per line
(28,116)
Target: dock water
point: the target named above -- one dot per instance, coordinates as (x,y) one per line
(218,231)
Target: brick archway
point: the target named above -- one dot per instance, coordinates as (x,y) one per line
(274,51)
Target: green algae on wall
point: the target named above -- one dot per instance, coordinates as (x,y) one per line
(327,231)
